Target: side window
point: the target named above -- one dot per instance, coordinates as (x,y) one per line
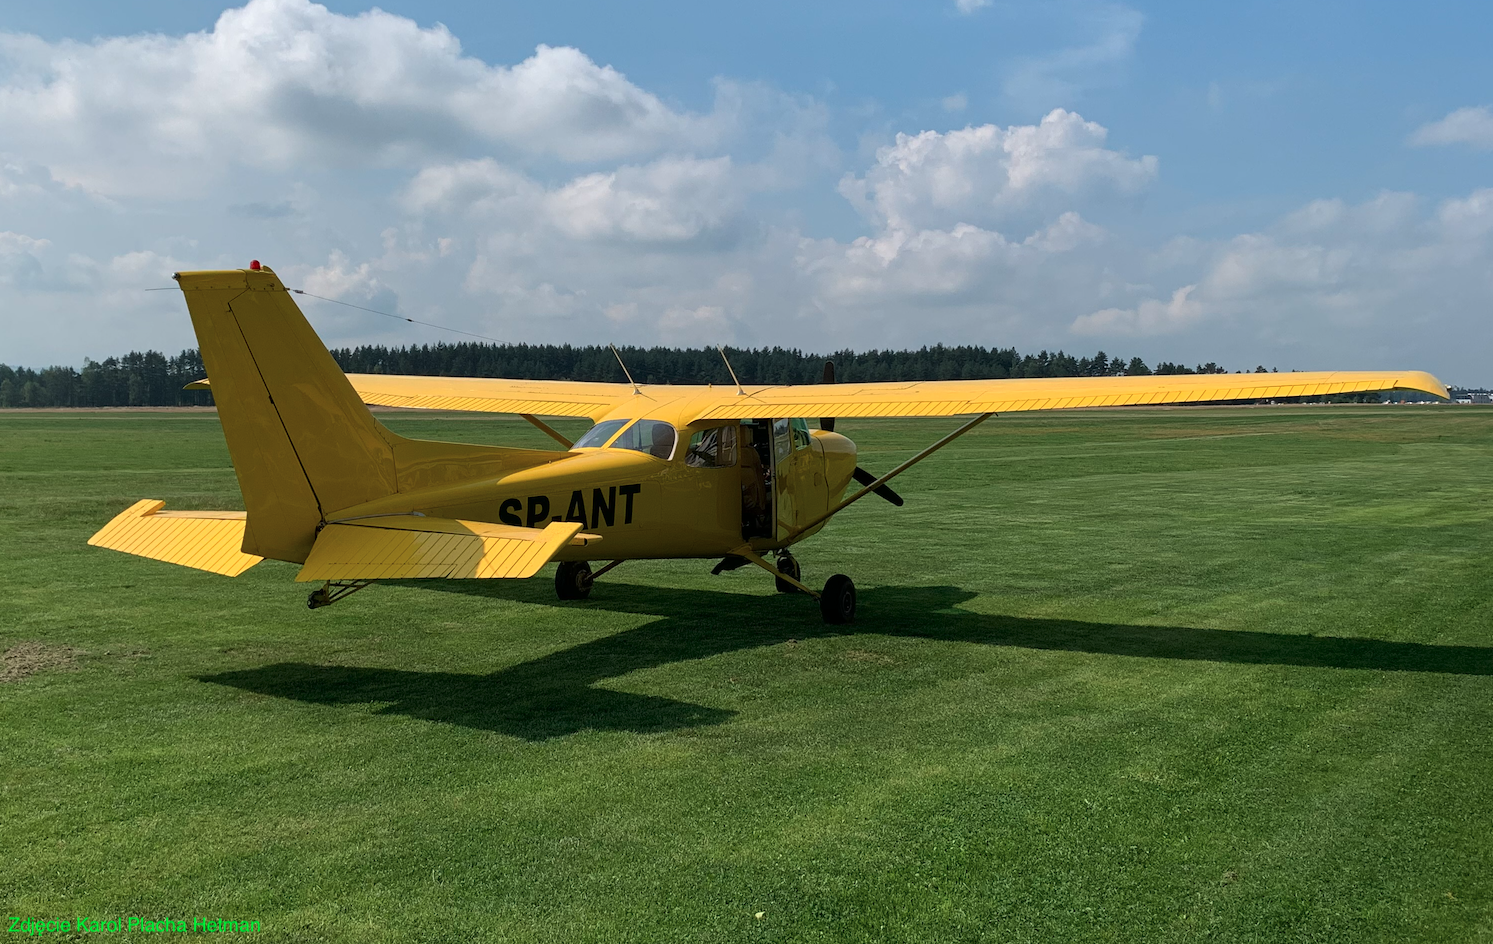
(712,448)
(782,442)
(654,437)
(800,433)
(598,435)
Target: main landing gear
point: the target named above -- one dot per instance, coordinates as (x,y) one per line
(573,580)
(836,602)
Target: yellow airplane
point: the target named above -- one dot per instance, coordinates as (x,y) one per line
(727,472)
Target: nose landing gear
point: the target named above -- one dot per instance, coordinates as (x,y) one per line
(788,564)
(837,602)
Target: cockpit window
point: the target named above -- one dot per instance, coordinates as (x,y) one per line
(599,434)
(654,437)
(712,448)
(800,433)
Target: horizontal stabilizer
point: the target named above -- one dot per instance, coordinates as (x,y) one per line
(392,547)
(205,540)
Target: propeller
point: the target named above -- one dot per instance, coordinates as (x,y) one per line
(827,423)
(866,478)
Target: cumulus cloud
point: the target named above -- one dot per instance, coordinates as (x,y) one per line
(1151,316)
(982,175)
(1471,126)
(277,83)
(672,200)
(1381,283)
(554,200)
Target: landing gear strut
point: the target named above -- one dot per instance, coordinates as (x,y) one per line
(573,580)
(836,603)
(332,591)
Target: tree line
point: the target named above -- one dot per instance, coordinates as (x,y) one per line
(153,379)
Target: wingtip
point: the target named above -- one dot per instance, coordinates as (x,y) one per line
(1424,382)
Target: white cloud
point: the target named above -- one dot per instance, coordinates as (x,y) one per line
(1378,284)
(968,7)
(956,102)
(1151,316)
(279,83)
(1472,126)
(982,175)
(554,200)
(672,200)
(704,325)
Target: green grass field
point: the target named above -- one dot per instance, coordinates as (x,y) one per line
(1152,676)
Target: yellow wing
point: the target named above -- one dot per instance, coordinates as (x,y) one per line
(897,398)
(205,540)
(956,397)
(486,395)
(390,547)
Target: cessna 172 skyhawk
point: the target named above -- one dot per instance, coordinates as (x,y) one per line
(727,472)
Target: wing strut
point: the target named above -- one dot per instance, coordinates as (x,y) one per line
(549,430)
(878,483)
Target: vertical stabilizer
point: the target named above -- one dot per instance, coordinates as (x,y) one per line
(303,444)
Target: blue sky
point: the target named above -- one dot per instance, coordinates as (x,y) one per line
(1299,185)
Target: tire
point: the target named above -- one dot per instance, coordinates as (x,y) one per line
(837,603)
(573,580)
(788,565)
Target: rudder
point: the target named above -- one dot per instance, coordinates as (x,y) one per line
(302,442)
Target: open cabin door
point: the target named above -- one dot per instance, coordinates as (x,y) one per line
(798,482)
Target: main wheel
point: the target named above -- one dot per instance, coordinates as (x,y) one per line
(837,603)
(788,564)
(317,599)
(573,580)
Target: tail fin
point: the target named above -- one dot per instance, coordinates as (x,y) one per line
(302,442)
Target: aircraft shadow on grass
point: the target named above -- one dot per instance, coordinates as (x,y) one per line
(557,694)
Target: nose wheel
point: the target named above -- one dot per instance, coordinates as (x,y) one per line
(837,602)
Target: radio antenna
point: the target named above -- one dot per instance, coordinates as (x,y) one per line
(625,372)
(739,392)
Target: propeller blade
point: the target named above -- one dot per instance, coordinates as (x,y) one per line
(866,478)
(827,423)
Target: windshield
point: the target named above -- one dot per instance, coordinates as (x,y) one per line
(599,434)
(654,437)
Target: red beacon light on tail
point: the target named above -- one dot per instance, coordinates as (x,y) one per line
(254,265)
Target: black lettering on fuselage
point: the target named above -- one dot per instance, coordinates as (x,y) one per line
(508,512)
(629,491)
(539,509)
(603,507)
(577,509)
